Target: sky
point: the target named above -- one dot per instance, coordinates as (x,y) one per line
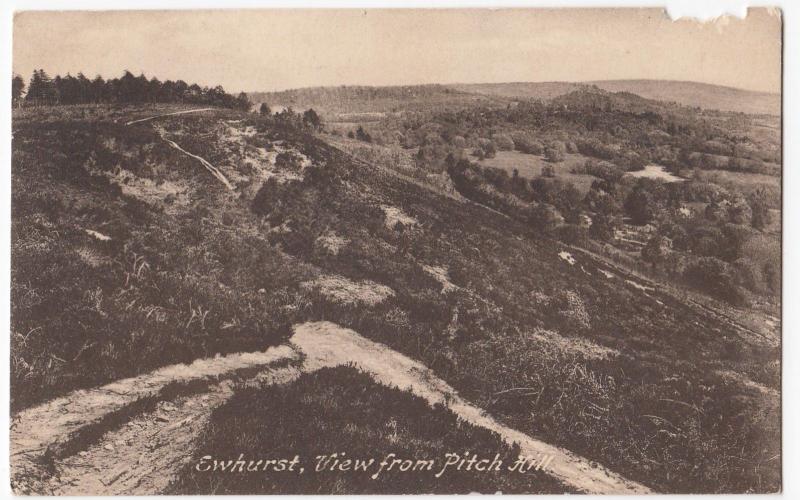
(263,50)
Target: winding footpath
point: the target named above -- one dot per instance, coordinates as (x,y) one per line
(208,166)
(143,455)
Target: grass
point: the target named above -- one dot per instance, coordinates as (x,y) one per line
(530,167)
(340,410)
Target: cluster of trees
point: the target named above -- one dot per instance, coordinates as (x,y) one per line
(720,250)
(360,134)
(44,90)
(309,120)
(626,130)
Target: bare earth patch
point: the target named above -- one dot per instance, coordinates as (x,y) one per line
(332,243)
(639,287)
(346,292)
(394,215)
(580,346)
(95,234)
(439,273)
(567,257)
(150,191)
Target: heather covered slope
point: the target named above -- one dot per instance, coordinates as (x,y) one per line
(371,422)
(545,338)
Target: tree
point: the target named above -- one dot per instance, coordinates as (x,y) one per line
(545,217)
(264,109)
(41,89)
(243,102)
(311,119)
(655,251)
(489,150)
(97,92)
(640,206)
(715,278)
(759,205)
(362,135)
(127,89)
(17,87)
(83,88)
(603,227)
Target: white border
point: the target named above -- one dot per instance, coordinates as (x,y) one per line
(791,160)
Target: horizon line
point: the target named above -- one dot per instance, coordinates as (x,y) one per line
(575,82)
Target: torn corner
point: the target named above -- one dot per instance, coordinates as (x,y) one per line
(688,10)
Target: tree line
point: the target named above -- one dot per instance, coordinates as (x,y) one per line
(44,90)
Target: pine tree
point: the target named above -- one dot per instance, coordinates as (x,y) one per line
(17,87)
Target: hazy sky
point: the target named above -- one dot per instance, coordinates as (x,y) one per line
(276,49)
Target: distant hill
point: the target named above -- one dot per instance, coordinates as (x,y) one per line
(339,102)
(530,90)
(703,95)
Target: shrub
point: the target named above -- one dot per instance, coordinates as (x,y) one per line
(528,145)
(572,234)
(545,217)
(553,154)
(362,135)
(503,142)
(714,277)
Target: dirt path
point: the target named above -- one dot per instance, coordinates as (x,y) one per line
(168,114)
(326,344)
(211,168)
(143,455)
(35,430)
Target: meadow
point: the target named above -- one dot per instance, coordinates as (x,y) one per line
(530,166)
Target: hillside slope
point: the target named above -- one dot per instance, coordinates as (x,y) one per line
(697,94)
(332,102)
(155,262)
(692,94)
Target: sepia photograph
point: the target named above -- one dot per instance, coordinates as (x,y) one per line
(395,251)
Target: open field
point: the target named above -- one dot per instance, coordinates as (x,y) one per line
(530,167)
(741,180)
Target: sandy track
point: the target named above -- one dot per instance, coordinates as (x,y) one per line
(211,168)
(326,344)
(143,455)
(168,114)
(35,430)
